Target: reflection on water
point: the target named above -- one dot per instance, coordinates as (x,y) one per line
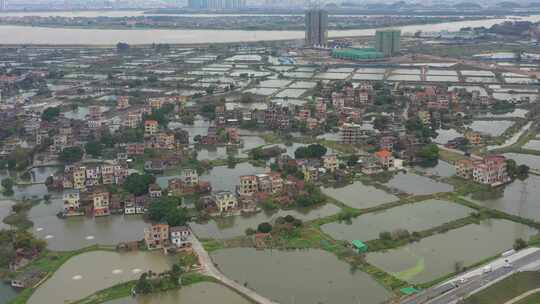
(416,217)
(518,198)
(299,277)
(228,227)
(491,127)
(221,177)
(200,293)
(437,255)
(360,196)
(7,293)
(444,136)
(78,232)
(417,184)
(442,169)
(40,174)
(532,161)
(5,210)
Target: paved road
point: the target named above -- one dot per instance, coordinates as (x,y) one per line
(474,283)
(211,270)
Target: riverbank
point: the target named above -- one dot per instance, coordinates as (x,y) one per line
(281,26)
(17,35)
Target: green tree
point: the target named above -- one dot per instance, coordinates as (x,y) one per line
(209,111)
(71,155)
(51,114)
(231,161)
(515,171)
(311,151)
(137,184)
(264,227)
(429,153)
(519,244)
(313,196)
(144,286)
(93,148)
(168,209)
(7,184)
(380,122)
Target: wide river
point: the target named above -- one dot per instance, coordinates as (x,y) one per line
(70,36)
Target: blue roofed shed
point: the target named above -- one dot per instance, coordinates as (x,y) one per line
(360,246)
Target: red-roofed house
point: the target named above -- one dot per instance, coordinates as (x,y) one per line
(385,158)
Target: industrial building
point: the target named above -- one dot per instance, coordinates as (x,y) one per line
(388,41)
(316,28)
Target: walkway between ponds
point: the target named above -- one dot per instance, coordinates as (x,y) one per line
(210,269)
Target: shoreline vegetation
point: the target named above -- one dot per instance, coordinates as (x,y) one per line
(243,28)
(125,289)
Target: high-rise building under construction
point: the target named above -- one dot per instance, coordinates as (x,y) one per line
(316,28)
(216,4)
(388,41)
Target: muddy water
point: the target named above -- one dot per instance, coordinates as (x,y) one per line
(228,227)
(81,231)
(436,256)
(195,294)
(299,277)
(416,217)
(89,272)
(417,184)
(360,196)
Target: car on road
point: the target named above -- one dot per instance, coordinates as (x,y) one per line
(487,269)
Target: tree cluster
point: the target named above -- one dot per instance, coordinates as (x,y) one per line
(51,113)
(311,151)
(71,155)
(168,209)
(313,196)
(138,184)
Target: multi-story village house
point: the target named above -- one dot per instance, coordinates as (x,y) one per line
(330,162)
(248,185)
(180,236)
(225,201)
(71,200)
(122,102)
(157,236)
(100,202)
(150,127)
(190,177)
(491,170)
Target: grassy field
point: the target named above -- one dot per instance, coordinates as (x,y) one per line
(532,299)
(449,156)
(507,289)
